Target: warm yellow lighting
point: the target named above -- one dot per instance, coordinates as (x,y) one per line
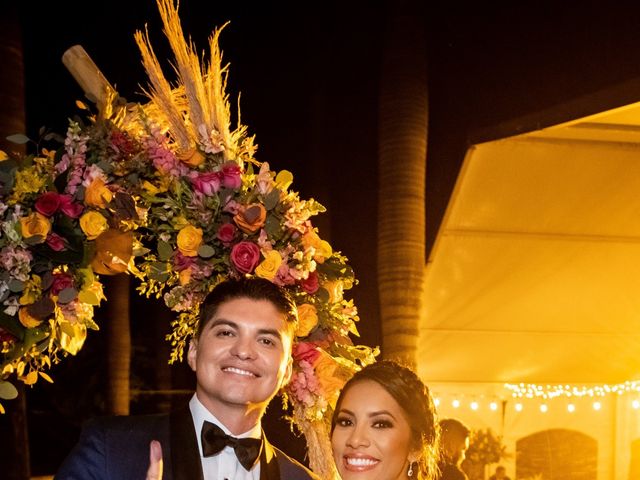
(531,390)
(635,404)
(518,407)
(571,408)
(493,406)
(544,408)
(597,405)
(436,401)
(455,403)
(474,405)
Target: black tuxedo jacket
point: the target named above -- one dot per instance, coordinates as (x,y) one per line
(117,448)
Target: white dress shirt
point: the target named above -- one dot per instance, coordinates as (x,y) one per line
(224,465)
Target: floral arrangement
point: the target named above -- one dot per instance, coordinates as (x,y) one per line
(485,447)
(168,191)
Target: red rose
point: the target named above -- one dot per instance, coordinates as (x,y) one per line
(48,203)
(226,233)
(310,284)
(60,282)
(245,256)
(69,207)
(207,183)
(55,242)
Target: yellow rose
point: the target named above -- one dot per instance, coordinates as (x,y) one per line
(35,225)
(93,224)
(335,289)
(189,240)
(26,319)
(307,319)
(97,194)
(270,265)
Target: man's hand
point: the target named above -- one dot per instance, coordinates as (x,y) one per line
(155,461)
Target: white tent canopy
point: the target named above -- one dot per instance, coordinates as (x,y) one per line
(535,273)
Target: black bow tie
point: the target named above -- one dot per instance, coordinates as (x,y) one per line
(214,440)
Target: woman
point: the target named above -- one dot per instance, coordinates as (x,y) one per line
(384,426)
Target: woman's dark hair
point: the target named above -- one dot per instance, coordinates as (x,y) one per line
(255,288)
(414,398)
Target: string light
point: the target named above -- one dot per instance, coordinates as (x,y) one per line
(455,403)
(635,404)
(597,405)
(493,406)
(518,407)
(571,408)
(532,390)
(474,406)
(544,408)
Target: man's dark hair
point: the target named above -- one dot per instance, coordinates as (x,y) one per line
(454,427)
(255,288)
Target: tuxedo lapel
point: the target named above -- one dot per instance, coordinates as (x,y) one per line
(269,469)
(185,457)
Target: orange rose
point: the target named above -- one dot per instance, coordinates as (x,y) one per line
(35,225)
(331,377)
(322,248)
(251,218)
(97,194)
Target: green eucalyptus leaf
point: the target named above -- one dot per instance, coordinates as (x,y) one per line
(272,199)
(164,251)
(206,251)
(7,390)
(18,138)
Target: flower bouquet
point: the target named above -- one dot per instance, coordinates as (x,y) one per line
(168,191)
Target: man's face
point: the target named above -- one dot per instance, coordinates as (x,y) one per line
(243,356)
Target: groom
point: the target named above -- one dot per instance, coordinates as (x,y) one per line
(241,355)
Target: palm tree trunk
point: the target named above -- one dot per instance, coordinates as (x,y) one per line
(403,121)
(118,344)
(13,428)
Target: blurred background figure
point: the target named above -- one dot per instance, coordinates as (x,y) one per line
(501,474)
(454,444)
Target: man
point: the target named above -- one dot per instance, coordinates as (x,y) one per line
(501,474)
(241,355)
(454,438)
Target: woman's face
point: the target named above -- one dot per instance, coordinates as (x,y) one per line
(372,438)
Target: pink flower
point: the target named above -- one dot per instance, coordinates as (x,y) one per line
(310,284)
(226,233)
(55,242)
(232,207)
(231,175)
(207,183)
(48,203)
(305,351)
(245,256)
(69,207)
(60,282)
(284,277)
